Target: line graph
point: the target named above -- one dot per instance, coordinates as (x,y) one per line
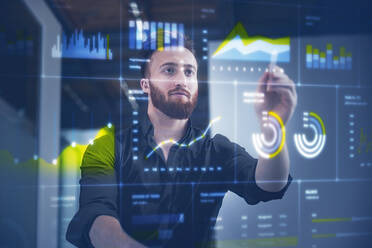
(184,144)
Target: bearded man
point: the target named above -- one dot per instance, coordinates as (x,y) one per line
(170,194)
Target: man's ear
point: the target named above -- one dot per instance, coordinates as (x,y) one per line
(145,85)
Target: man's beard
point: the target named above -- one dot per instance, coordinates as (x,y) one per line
(173,108)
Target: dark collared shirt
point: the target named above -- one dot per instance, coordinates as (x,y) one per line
(163,204)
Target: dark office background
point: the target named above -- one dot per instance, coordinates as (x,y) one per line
(54,103)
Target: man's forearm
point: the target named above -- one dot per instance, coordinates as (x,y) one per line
(275,169)
(106,232)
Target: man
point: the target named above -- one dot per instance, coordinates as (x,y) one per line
(165,198)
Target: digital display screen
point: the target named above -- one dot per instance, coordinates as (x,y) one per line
(80,135)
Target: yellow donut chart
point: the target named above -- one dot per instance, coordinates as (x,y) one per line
(282,128)
(270,149)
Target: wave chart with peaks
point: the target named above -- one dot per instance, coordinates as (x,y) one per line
(239,46)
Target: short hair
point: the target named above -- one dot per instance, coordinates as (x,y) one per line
(147,54)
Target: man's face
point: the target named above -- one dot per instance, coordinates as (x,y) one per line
(173,82)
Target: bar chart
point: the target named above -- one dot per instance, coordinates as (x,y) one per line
(79,46)
(328,59)
(145,35)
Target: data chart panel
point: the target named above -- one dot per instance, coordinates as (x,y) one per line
(336,220)
(85,48)
(160,114)
(312,134)
(249,44)
(355,133)
(150,218)
(270,224)
(143,35)
(328,54)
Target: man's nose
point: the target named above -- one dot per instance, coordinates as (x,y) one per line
(181,79)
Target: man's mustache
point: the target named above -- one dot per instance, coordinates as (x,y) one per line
(180,91)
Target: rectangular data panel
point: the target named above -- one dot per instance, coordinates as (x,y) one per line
(159,31)
(355,133)
(90,45)
(329,54)
(238,224)
(336,220)
(154,215)
(311,134)
(250,43)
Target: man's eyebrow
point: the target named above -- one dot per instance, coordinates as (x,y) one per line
(190,65)
(176,65)
(169,64)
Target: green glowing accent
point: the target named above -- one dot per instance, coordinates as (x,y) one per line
(330,220)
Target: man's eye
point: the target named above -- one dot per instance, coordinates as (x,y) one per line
(170,70)
(189,72)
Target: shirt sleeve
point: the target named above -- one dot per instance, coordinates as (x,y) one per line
(98,190)
(242,168)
